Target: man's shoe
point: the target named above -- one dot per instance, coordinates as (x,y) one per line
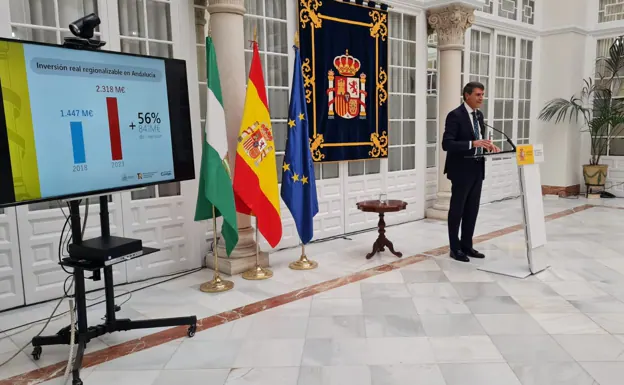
(472,253)
(459,255)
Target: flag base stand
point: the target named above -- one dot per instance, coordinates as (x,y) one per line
(258,272)
(217,285)
(303,263)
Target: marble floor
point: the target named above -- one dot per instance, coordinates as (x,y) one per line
(429,319)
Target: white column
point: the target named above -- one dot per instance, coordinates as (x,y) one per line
(227,30)
(566,148)
(449,22)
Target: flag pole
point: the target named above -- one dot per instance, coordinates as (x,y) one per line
(217,285)
(258,272)
(303,263)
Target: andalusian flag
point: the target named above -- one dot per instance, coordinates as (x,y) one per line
(255,176)
(215,183)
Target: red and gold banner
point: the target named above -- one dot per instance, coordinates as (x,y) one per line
(255,176)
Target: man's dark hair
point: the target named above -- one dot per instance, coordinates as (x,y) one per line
(470,87)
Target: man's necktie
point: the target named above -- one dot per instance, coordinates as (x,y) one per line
(475,124)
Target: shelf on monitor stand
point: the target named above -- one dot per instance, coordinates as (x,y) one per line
(93,265)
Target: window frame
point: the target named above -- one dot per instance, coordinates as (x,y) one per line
(402,95)
(492,93)
(598,54)
(432,73)
(601,16)
(492,8)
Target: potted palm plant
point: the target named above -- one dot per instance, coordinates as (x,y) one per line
(602,115)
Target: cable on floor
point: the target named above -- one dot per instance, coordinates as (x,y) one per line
(169,276)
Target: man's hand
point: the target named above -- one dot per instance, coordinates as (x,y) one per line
(486,144)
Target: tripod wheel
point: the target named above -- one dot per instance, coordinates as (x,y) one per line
(36,354)
(77,381)
(191,331)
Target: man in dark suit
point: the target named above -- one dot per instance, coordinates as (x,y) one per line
(464,136)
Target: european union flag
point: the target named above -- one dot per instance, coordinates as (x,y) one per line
(298,182)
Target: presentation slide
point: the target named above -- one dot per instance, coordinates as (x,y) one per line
(77,121)
(98,123)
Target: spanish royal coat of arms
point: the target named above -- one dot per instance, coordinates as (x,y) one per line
(257,142)
(347,96)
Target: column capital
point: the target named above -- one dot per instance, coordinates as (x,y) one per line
(226,6)
(450,23)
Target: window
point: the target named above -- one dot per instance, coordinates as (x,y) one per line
(616,146)
(145,29)
(364,167)
(517,10)
(487,7)
(268,19)
(200,46)
(504,92)
(524,99)
(432,100)
(528,11)
(610,10)
(499,105)
(402,131)
(47,21)
(480,43)
(508,9)
(326,170)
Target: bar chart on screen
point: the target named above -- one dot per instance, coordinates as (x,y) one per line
(106,128)
(113,127)
(78,145)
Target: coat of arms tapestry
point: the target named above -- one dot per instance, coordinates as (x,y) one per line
(344,52)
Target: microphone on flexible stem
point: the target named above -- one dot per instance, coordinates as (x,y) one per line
(511,143)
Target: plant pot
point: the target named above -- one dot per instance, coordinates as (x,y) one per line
(595,174)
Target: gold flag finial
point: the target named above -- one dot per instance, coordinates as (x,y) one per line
(209,29)
(297,39)
(255,36)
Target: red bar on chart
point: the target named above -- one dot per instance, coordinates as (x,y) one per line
(113,127)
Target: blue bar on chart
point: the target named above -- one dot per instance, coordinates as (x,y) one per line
(78,144)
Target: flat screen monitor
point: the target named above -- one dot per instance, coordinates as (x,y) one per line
(77,122)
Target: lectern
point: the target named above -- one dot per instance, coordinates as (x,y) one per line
(527,159)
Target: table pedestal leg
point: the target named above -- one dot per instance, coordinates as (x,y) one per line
(382,242)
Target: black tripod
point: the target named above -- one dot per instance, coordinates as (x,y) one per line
(85,333)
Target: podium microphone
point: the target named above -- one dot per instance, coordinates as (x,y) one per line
(511,143)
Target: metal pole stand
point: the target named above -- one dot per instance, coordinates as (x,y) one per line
(258,272)
(217,285)
(303,263)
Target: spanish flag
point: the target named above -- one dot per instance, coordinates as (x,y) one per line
(255,175)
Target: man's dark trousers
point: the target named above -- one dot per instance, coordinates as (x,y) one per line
(464,207)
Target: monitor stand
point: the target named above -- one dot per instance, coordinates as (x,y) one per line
(85,333)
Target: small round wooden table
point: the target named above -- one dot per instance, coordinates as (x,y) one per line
(377,206)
